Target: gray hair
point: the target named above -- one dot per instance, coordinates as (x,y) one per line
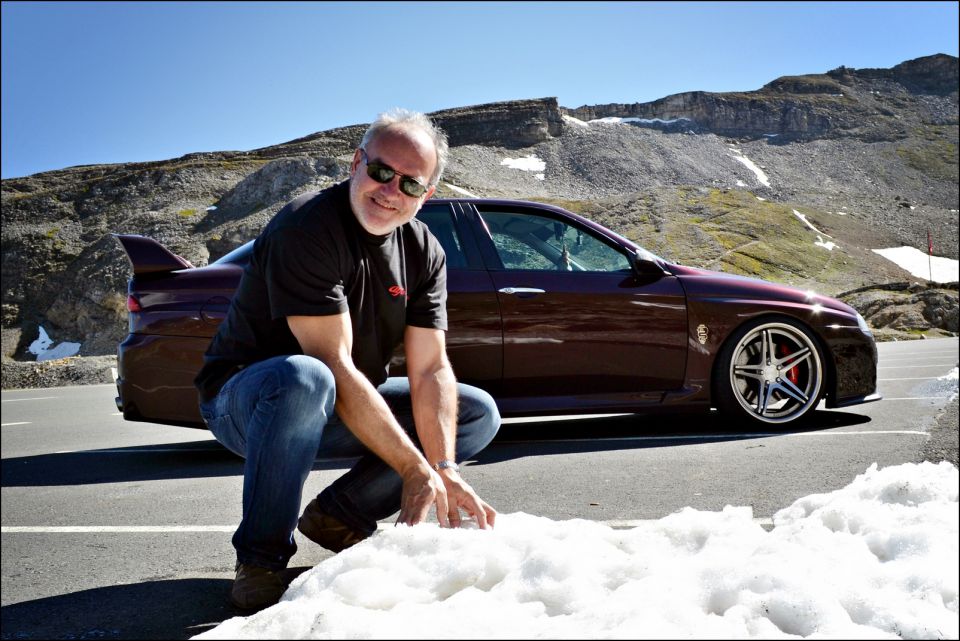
(404,118)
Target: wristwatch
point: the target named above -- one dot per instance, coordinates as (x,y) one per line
(446,464)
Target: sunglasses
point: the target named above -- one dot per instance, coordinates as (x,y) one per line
(384,173)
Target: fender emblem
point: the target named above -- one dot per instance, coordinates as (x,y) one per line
(702,334)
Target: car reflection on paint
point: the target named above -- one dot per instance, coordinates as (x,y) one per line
(552,314)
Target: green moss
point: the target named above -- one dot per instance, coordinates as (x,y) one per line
(50,233)
(938,158)
(730,240)
(186,213)
(742,264)
(731,230)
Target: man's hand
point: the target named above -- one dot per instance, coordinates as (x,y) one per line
(461,496)
(422,488)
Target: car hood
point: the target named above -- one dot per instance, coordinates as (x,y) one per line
(703,283)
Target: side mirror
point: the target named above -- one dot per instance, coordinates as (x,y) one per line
(647,267)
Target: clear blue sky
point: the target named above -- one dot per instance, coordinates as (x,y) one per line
(115,82)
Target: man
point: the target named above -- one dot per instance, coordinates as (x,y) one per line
(336,281)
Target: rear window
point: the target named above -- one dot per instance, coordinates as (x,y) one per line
(239,256)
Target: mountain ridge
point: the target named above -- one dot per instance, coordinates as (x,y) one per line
(875,165)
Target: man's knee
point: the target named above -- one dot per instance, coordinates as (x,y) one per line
(478,411)
(304,380)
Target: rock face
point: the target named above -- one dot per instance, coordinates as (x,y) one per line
(907,306)
(870,156)
(513,125)
(867,104)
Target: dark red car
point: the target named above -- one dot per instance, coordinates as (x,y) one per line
(552,314)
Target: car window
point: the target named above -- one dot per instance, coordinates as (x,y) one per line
(439,219)
(531,242)
(239,256)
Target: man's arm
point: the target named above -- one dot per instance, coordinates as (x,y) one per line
(363,410)
(433,390)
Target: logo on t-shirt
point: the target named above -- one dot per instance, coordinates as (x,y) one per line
(396,290)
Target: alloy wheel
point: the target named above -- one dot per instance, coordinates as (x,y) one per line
(776,373)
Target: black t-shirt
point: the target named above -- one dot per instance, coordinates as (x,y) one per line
(315,259)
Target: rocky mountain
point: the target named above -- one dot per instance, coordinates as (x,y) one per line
(759,183)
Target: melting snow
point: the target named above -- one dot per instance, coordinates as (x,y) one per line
(945,270)
(739,157)
(829,245)
(460,190)
(527,163)
(41,347)
(876,559)
(574,121)
(820,242)
(645,121)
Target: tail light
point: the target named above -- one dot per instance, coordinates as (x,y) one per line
(133,305)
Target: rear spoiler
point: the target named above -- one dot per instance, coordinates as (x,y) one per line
(150,257)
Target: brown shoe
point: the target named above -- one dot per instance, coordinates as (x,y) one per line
(327,531)
(256,588)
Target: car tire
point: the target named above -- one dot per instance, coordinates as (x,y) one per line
(770,371)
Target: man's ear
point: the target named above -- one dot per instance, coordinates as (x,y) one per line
(429,193)
(356,161)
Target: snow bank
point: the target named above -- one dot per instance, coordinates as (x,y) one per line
(876,559)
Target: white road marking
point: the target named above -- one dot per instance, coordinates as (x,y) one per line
(630,524)
(164,529)
(35,398)
(707,437)
(919,398)
(918,378)
(677,437)
(20,423)
(551,419)
(150,451)
(124,529)
(910,366)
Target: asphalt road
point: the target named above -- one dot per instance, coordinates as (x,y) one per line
(113,529)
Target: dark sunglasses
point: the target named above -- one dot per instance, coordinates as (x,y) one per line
(384,173)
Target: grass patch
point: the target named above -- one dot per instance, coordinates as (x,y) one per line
(937,157)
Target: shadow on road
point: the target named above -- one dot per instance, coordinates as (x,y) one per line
(175,609)
(169,609)
(199,459)
(641,431)
(207,459)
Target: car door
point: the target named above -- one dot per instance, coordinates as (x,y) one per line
(577,321)
(474,337)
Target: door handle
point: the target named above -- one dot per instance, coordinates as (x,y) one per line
(521,290)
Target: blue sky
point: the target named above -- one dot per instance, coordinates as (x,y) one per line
(113,82)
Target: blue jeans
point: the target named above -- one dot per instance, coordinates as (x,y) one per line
(278,415)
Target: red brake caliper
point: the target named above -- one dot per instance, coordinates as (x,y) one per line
(792,373)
